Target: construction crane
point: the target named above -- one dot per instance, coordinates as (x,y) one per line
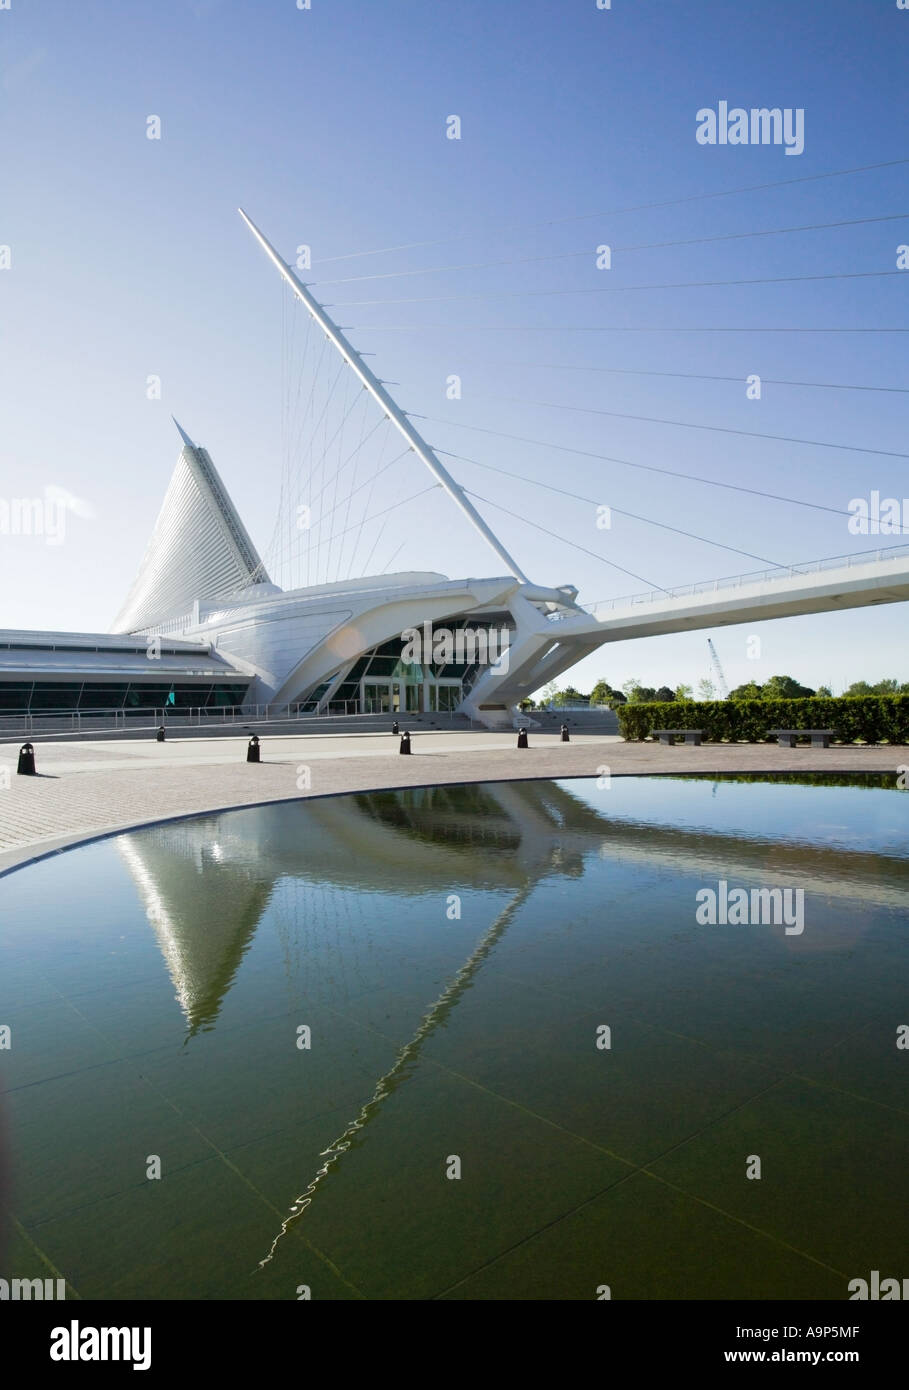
(718,671)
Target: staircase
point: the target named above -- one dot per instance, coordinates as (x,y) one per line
(579,721)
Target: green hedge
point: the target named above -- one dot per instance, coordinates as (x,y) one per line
(864,781)
(865,718)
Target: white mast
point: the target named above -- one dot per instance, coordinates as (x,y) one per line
(376,389)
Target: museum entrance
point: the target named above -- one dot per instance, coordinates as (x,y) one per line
(390,697)
(407,697)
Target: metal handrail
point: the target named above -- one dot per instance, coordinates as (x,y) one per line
(99,721)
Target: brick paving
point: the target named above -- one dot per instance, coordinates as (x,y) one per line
(88,789)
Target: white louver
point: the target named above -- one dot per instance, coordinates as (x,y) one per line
(199,548)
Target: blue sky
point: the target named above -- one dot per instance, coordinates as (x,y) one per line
(328,125)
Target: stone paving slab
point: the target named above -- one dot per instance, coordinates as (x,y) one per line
(85,790)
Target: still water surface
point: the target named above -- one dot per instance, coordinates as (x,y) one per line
(453,957)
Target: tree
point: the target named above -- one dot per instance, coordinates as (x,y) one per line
(884,687)
(684,692)
(664,694)
(569,696)
(637,693)
(750,691)
(603,694)
(824,690)
(549,693)
(706,689)
(785,688)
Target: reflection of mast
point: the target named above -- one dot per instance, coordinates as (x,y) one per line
(385,1086)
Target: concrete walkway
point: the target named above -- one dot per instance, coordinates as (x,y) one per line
(88,789)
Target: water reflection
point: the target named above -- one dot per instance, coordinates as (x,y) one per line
(470,1032)
(203,909)
(205,884)
(404,1063)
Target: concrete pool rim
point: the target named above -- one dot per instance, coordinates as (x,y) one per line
(79,840)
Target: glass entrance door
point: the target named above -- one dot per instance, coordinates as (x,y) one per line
(390,697)
(377,697)
(445,696)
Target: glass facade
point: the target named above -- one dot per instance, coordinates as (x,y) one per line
(90,697)
(380,682)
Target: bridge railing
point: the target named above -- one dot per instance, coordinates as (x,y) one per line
(712,586)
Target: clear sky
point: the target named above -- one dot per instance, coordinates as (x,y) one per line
(128,260)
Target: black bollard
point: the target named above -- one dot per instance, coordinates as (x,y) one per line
(26,766)
(252,752)
(522,738)
(394,728)
(565,738)
(160,734)
(405,742)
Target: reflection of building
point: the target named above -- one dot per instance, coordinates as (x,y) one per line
(230,637)
(205,883)
(203,919)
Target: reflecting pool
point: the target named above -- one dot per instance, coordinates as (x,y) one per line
(476,1042)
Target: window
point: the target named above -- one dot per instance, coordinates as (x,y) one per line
(14,695)
(102,697)
(64,696)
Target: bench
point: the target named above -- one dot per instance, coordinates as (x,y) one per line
(787,738)
(691,736)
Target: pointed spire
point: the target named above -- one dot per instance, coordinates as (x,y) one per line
(199,548)
(183,435)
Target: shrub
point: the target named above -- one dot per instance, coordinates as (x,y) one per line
(863,718)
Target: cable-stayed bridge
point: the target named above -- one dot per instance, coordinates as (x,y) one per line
(331,639)
(549,631)
(317,623)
